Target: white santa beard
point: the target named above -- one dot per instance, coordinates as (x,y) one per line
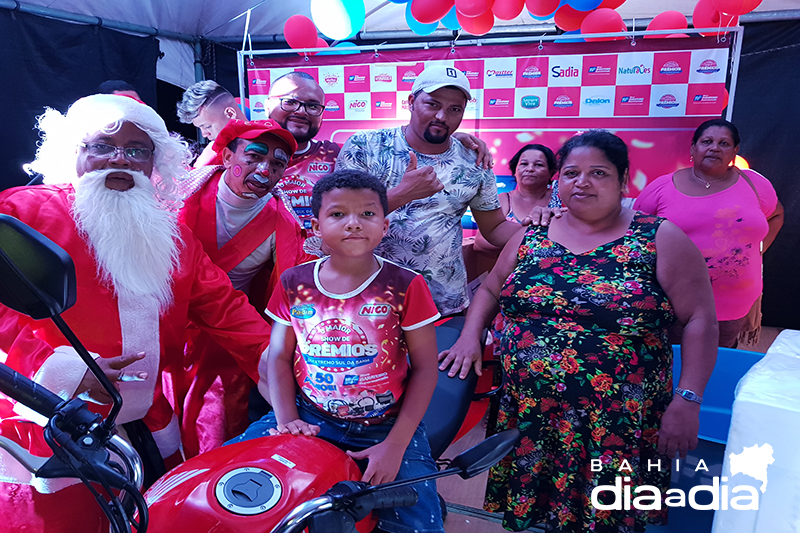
(135,241)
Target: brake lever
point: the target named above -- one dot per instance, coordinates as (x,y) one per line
(32,463)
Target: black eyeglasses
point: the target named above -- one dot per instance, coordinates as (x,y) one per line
(290,104)
(107,151)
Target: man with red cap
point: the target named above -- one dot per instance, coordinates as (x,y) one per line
(142,277)
(252,236)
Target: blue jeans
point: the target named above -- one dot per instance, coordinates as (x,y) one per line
(426,515)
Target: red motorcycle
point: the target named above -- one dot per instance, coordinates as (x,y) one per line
(280,484)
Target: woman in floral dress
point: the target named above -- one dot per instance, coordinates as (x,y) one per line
(587,302)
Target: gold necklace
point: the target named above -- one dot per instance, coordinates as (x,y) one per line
(706,182)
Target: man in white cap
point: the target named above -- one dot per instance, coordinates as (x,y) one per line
(431,180)
(110,165)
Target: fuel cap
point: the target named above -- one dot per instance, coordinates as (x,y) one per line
(248,491)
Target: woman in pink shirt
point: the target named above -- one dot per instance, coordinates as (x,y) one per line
(731,215)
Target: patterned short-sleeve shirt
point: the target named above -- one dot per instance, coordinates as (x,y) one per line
(425,235)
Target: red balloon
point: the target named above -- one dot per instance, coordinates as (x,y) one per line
(430,11)
(569,19)
(479,25)
(507,9)
(611,4)
(321,43)
(668,20)
(300,32)
(473,8)
(542,8)
(735,7)
(706,16)
(603,21)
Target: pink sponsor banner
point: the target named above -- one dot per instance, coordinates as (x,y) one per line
(407,75)
(473,70)
(356,79)
(532,71)
(599,70)
(563,101)
(632,101)
(334,106)
(671,67)
(705,99)
(258,81)
(384,105)
(498,103)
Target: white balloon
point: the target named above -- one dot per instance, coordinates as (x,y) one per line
(334,20)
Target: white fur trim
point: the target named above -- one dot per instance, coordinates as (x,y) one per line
(168,439)
(138,319)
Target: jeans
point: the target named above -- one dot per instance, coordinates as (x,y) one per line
(425,516)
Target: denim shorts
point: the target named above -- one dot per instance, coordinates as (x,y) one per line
(426,515)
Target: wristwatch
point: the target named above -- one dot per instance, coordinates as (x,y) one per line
(689,395)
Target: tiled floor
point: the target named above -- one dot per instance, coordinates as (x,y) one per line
(465,497)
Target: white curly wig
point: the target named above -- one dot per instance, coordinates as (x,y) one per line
(57,155)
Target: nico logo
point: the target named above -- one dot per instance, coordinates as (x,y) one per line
(374,310)
(320,167)
(302,311)
(358,104)
(530,102)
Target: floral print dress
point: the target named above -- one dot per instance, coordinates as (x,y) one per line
(589,374)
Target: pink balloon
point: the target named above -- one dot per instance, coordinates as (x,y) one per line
(541,8)
(300,32)
(735,7)
(668,20)
(604,20)
(473,8)
(479,25)
(507,9)
(569,19)
(706,16)
(430,11)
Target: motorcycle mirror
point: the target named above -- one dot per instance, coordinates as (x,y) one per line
(482,456)
(37,276)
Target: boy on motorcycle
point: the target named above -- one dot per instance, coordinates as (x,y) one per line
(352,355)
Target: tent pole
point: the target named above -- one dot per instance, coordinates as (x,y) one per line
(735,60)
(199,74)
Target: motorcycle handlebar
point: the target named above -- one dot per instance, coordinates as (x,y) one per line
(27,392)
(396,497)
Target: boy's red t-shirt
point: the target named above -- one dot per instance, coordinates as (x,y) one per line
(351,359)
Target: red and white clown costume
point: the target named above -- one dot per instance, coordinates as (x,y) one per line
(118,311)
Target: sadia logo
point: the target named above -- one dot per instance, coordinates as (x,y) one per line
(668,101)
(258,107)
(332,105)
(531,73)
(374,310)
(752,462)
(709,66)
(569,72)
(302,311)
(331,79)
(383,78)
(530,102)
(320,167)
(358,104)
(563,101)
(499,73)
(409,76)
(595,101)
(671,67)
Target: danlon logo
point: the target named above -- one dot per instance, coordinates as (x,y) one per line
(331,105)
(599,70)
(358,104)
(569,72)
(383,105)
(632,100)
(374,310)
(753,462)
(705,98)
(383,77)
(498,102)
(668,101)
(499,73)
(671,67)
(563,101)
(320,167)
(530,102)
(708,66)
(532,72)
(358,79)
(258,107)
(302,311)
(331,79)
(594,101)
(409,76)
(637,69)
